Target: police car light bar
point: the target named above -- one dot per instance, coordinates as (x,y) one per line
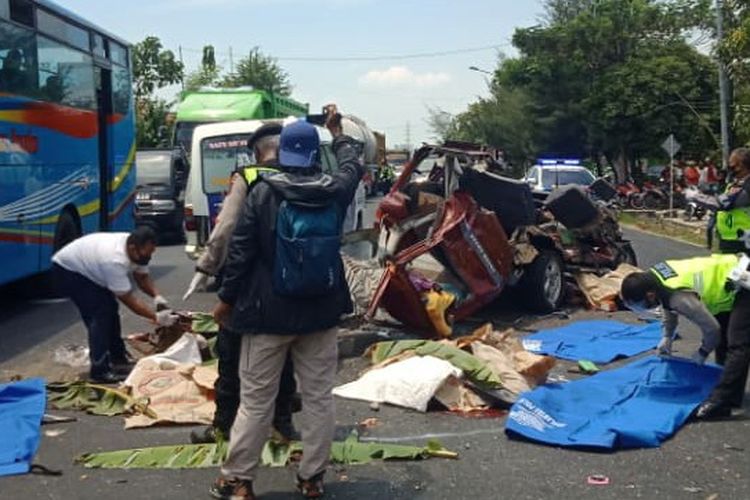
(559,162)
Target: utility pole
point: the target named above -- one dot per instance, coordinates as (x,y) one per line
(408,137)
(182,80)
(724,98)
(231,62)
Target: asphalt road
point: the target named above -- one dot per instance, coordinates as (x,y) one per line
(701,461)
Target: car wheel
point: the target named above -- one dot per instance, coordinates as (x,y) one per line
(66,231)
(542,285)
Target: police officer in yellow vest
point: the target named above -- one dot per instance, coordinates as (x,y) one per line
(733,226)
(694,288)
(733,218)
(264,144)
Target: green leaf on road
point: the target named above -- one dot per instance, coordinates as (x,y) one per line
(94,399)
(204,323)
(275,454)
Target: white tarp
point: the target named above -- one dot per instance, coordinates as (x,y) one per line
(410,383)
(185,351)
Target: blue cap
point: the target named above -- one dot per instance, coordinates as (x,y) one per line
(298,145)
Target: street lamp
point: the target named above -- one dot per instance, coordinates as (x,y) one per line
(480,70)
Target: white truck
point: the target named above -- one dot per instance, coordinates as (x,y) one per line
(218,149)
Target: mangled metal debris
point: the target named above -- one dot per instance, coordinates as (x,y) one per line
(451,244)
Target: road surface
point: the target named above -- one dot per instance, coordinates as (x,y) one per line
(702,460)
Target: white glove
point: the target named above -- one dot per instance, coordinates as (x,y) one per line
(166,318)
(699,357)
(160,303)
(665,346)
(198,283)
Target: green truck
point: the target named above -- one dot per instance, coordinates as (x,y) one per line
(209,105)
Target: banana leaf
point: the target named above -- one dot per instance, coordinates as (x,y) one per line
(275,454)
(94,399)
(189,456)
(477,370)
(353,451)
(204,323)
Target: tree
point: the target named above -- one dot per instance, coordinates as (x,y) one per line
(153,129)
(153,68)
(734,51)
(208,75)
(504,120)
(261,72)
(611,77)
(440,123)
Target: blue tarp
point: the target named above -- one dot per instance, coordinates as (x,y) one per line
(638,405)
(21,411)
(597,341)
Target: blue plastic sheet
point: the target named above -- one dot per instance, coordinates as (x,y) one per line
(597,341)
(21,411)
(637,406)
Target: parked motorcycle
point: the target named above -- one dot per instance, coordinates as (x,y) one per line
(625,194)
(698,203)
(656,196)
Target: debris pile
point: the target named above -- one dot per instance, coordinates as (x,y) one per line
(485,370)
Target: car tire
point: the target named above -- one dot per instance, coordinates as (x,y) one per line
(542,285)
(66,230)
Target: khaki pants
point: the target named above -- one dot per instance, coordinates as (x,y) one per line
(262,358)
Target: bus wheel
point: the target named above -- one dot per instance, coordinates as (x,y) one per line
(66,231)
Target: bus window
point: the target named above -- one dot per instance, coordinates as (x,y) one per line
(62,30)
(118,54)
(98,45)
(66,75)
(17,70)
(121,90)
(21,11)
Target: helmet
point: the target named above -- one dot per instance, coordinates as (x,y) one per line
(299,145)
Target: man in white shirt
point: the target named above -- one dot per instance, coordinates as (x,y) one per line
(94,271)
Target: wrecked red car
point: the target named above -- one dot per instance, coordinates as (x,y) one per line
(454,234)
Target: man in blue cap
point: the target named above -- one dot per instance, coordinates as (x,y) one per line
(264,144)
(284,290)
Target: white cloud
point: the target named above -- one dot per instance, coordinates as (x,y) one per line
(402,76)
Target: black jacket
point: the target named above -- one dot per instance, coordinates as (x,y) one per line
(247,283)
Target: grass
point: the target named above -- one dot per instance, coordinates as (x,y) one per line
(663,227)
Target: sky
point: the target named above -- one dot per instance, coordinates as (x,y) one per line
(376,77)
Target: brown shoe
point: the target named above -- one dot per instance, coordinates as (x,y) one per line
(225,488)
(311,488)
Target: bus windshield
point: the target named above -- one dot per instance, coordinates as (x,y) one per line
(220,156)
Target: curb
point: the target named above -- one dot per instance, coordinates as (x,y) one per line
(658,235)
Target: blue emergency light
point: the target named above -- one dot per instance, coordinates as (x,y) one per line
(559,161)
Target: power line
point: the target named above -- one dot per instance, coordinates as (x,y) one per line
(392,57)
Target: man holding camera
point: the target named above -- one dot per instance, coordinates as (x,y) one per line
(284,290)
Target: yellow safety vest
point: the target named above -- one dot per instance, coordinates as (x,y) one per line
(706,276)
(252,174)
(729,222)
